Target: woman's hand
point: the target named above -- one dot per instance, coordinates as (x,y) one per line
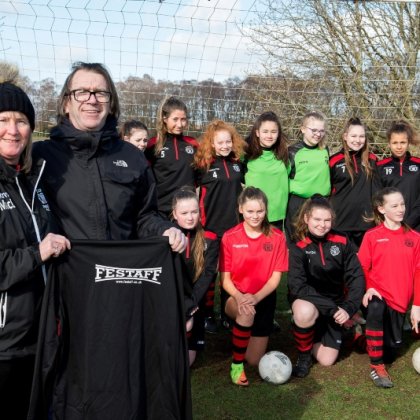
(369,295)
(53,246)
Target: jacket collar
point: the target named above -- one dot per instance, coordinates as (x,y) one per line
(83,141)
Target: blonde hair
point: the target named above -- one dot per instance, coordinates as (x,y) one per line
(166,107)
(199,244)
(206,154)
(316,116)
(365,151)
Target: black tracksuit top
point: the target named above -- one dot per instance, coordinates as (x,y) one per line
(326,269)
(403,174)
(21,277)
(172,168)
(220,187)
(352,201)
(99,186)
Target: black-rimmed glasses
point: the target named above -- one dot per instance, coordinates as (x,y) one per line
(82,95)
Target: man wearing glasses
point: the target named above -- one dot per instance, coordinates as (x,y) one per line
(99,187)
(111,345)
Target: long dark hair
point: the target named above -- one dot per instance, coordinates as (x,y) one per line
(280,146)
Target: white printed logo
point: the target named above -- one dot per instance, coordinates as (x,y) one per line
(42,199)
(310,252)
(413,168)
(236,167)
(388,171)
(240,245)
(121,162)
(334,250)
(189,150)
(127,275)
(6,202)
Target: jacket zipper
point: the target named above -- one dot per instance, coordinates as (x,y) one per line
(355,164)
(187,250)
(176,148)
(401,166)
(321,253)
(226,169)
(31,211)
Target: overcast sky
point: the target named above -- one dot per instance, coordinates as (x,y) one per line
(174,40)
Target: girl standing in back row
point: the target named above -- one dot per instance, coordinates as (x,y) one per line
(171,153)
(309,170)
(353,181)
(402,170)
(219,175)
(267,165)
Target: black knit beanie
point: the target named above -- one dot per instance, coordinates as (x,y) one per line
(13,98)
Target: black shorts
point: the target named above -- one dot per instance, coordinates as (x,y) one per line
(328,332)
(264,316)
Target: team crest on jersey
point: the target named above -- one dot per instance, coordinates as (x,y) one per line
(335,250)
(121,275)
(236,167)
(268,247)
(413,168)
(42,199)
(189,149)
(409,243)
(6,202)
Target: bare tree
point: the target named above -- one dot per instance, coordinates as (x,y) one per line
(362,55)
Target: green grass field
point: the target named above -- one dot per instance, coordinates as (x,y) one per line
(343,391)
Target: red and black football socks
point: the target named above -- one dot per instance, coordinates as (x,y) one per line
(240,340)
(304,338)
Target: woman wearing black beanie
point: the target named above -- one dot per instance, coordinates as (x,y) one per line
(25,246)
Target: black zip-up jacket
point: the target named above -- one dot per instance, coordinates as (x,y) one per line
(327,273)
(352,200)
(220,187)
(403,174)
(99,186)
(172,168)
(24,222)
(195,291)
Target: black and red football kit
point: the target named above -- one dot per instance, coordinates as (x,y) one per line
(172,167)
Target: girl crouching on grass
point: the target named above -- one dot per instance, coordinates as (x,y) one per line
(390,257)
(253,257)
(325,284)
(199,263)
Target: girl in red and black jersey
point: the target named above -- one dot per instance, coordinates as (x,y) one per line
(171,153)
(353,181)
(220,176)
(402,170)
(253,256)
(325,283)
(199,263)
(390,257)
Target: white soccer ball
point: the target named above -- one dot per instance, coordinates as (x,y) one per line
(275,367)
(416,360)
